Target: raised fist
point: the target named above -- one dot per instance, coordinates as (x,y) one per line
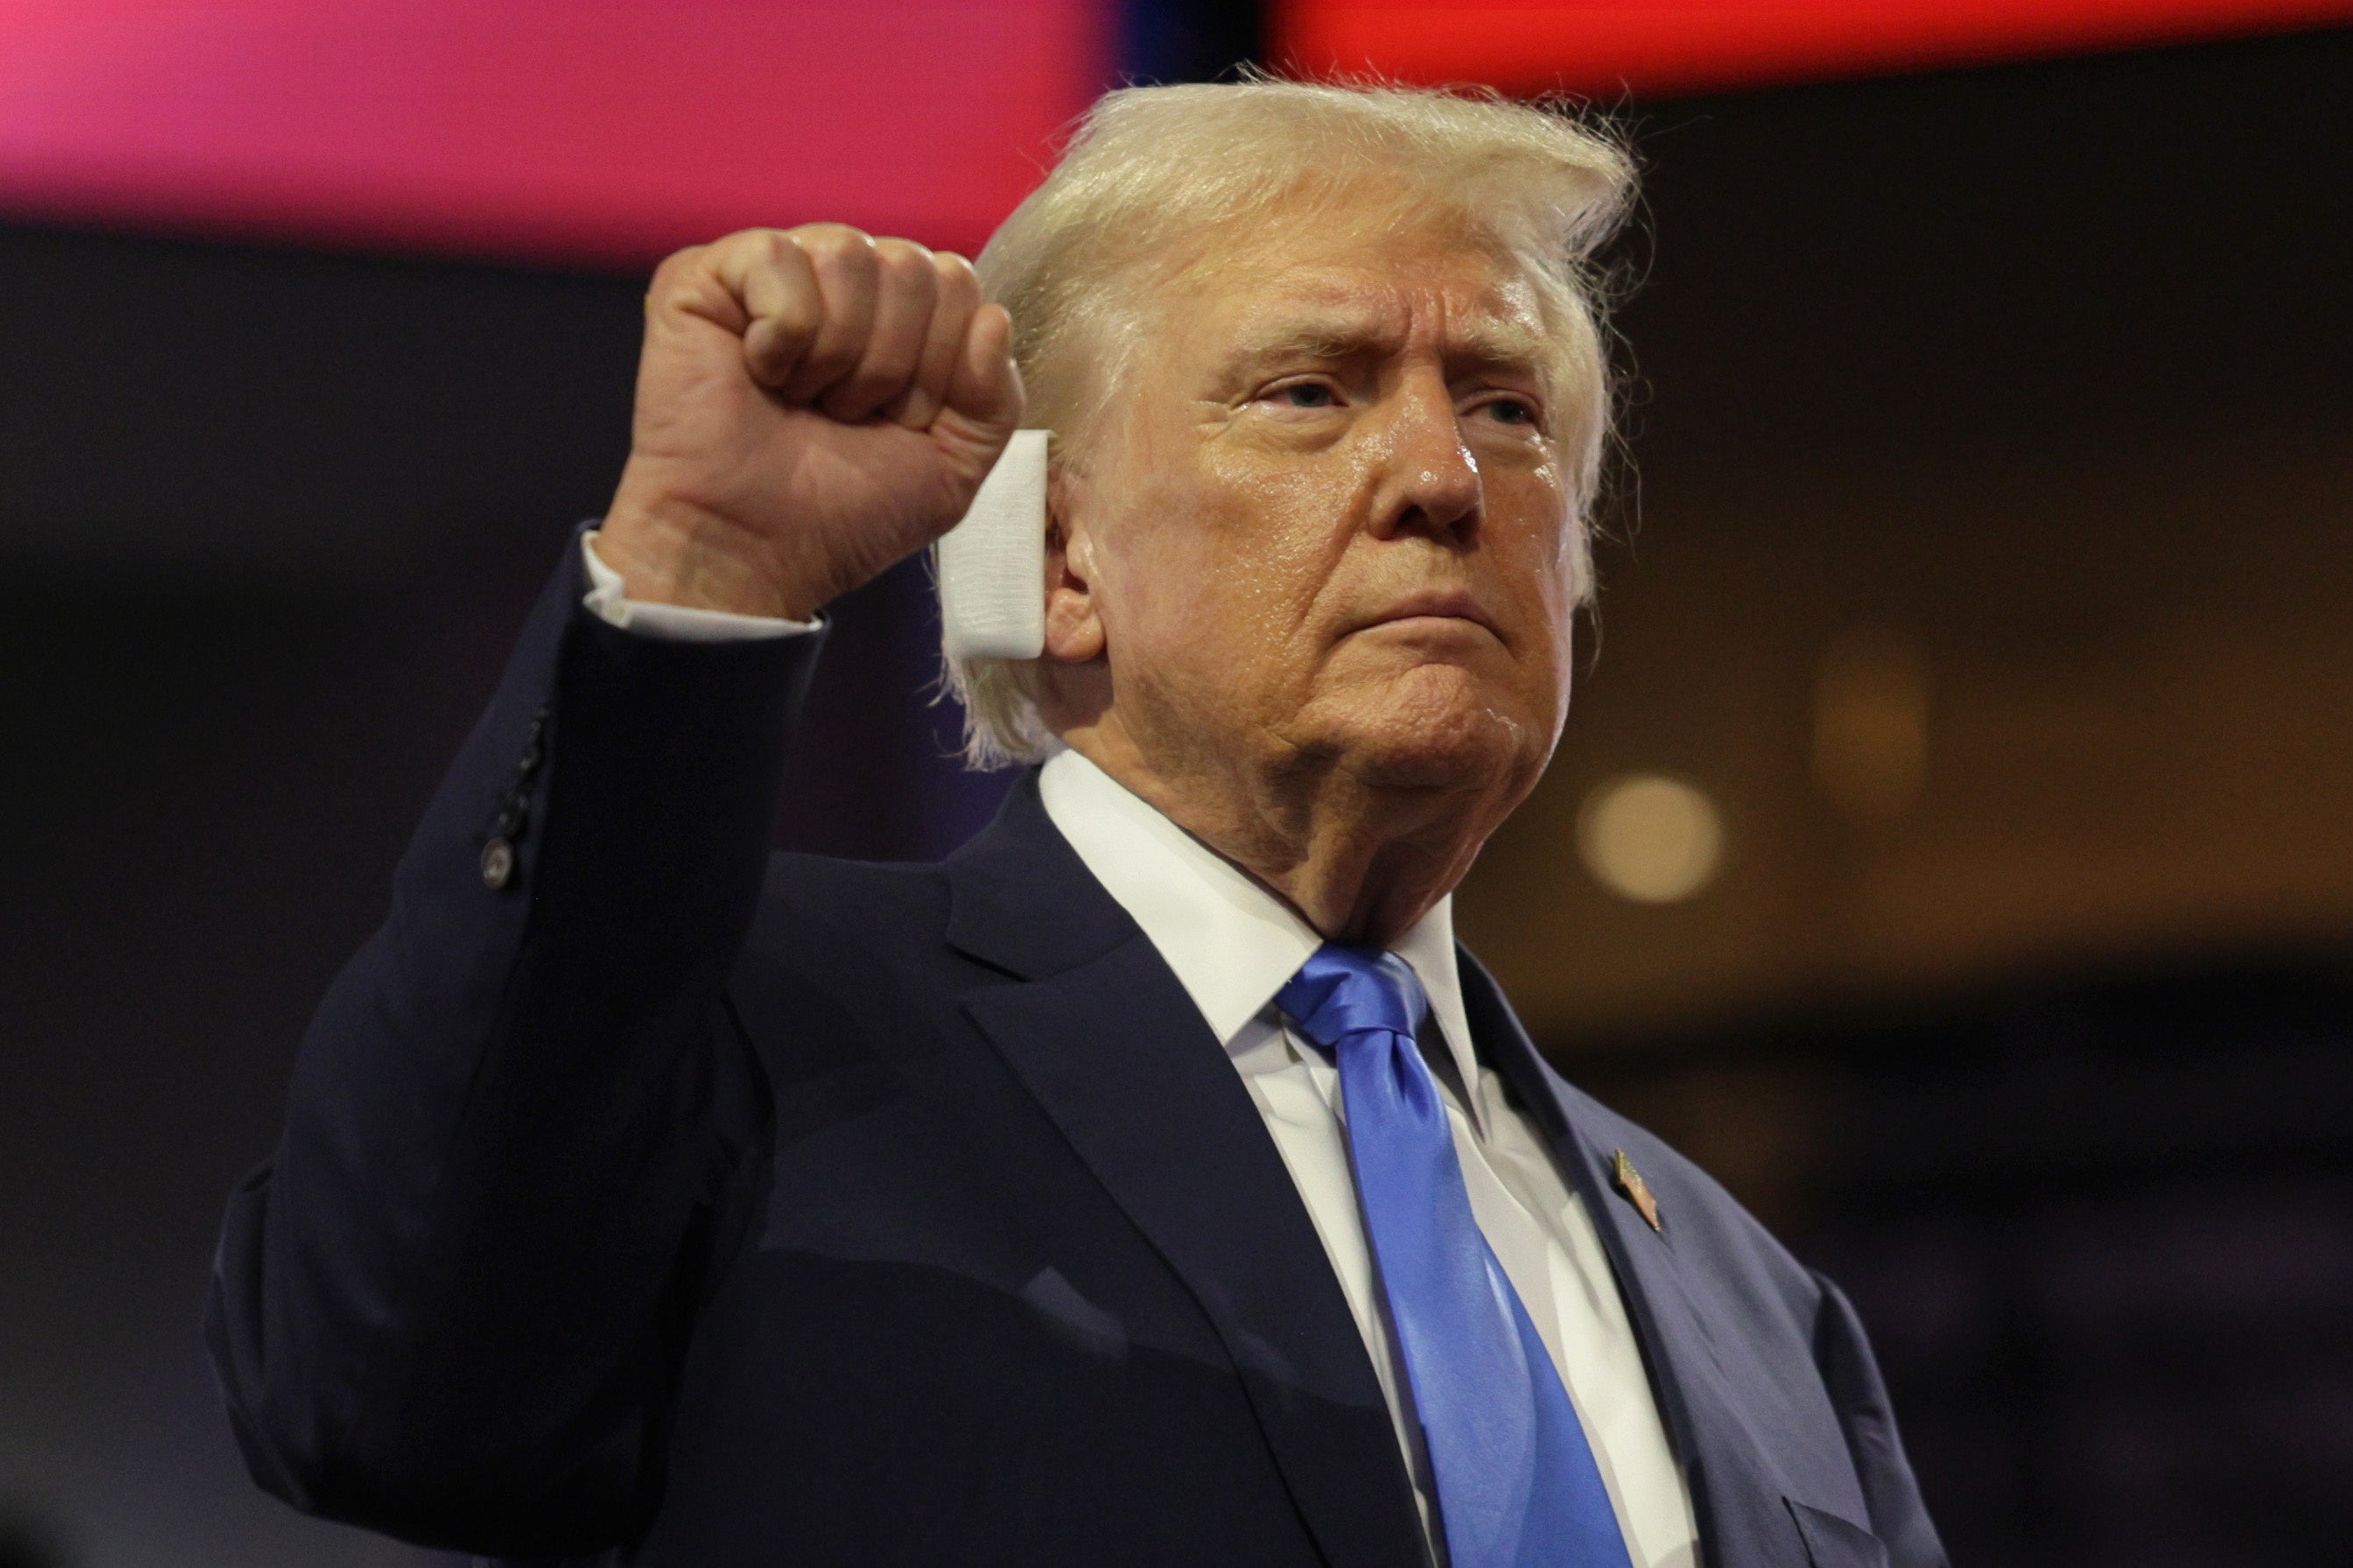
(814,405)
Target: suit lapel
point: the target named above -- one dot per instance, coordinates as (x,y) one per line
(1735,1491)
(1103,1035)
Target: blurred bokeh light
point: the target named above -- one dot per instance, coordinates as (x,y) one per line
(1650,838)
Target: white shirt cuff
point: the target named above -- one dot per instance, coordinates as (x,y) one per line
(608,598)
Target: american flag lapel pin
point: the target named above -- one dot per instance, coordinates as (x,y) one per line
(1630,1181)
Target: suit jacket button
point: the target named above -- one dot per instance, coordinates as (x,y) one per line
(498,864)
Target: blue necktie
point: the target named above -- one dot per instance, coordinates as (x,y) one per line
(1517,1483)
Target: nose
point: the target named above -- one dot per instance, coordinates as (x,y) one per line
(1427,481)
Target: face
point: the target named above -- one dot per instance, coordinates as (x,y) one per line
(1328,526)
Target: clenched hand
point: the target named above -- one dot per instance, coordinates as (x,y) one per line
(814,405)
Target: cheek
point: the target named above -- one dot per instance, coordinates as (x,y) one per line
(1540,567)
(1191,590)
(1245,545)
(1544,500)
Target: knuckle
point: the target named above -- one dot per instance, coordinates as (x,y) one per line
(960,285)
(671,268)
(906,273)
(743,248)
(772,246)
(902,256)
(834,243)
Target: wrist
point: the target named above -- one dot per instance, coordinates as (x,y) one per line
(670,550)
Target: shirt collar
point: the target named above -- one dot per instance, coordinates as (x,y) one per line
(1231,944)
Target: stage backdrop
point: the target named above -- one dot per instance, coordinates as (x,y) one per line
(1647,48)
(610,131)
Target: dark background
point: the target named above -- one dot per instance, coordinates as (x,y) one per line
(2043,366)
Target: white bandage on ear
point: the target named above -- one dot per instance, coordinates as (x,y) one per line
(993,563)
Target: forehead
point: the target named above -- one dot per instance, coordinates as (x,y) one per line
(1362,277)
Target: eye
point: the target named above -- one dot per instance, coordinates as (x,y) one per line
(1304,394)
(1511,411)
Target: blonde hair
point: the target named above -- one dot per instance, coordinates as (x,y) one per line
(1151,171)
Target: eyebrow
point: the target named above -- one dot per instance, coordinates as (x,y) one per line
(1483,344)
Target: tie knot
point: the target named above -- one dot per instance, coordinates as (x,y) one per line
(1343,991)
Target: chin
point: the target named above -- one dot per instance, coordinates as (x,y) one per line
(1445,735)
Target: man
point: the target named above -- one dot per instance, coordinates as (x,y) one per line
(1153,1180)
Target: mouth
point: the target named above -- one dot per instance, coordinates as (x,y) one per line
(1435,605)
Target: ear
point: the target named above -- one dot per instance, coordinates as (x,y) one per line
(1074,630)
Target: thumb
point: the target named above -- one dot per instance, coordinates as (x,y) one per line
(984,401)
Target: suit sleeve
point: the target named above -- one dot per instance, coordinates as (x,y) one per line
(452,1304)
(1898,1516)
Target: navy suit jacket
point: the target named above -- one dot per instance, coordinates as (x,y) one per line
(674,1205)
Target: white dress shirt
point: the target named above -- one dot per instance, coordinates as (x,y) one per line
(1232,945)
